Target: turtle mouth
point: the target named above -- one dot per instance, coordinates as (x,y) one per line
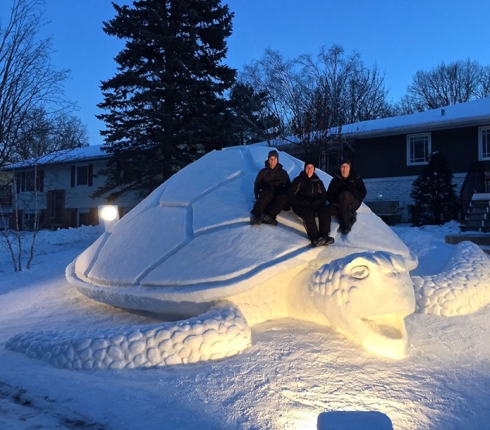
(391,326)
(384,335)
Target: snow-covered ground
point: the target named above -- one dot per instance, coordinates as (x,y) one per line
(292,373)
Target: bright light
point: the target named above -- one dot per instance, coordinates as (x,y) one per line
(108,217)
(109,213)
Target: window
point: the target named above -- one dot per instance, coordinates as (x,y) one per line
(484,143)
(31,220)
(5,197)
(82,175)
(25,181)
(418,148)
(331,159)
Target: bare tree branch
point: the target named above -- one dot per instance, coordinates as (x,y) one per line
(445,85)
(27,78)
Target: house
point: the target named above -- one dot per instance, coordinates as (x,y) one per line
(390,153)
(57,187)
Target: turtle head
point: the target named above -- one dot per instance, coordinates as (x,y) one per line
(367,296)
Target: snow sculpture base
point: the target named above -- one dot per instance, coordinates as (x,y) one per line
(349,293)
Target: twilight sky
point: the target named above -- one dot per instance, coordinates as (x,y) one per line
(402,37)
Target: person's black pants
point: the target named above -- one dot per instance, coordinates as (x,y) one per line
(269,204)
(345,211)
(309,215)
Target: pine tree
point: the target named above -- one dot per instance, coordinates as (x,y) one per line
(252,122)
(435,201)
(166,104)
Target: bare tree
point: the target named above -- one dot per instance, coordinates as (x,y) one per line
(277,78)
(21,185)
(43,133)
(27,78)
(350,91)
(34,119)
(445,85)
(483,89)
(12,237)
(311,96)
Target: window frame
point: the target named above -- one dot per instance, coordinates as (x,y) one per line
(81,176)
(75,169)
(428,149)
(481,155)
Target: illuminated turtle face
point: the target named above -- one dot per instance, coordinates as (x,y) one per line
(367,296)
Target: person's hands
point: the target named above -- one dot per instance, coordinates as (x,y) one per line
(317,204)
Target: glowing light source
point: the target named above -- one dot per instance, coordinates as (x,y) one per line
(109,213)
(108,216)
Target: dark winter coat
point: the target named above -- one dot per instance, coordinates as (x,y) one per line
(353,184)
(308,191)
(276,180)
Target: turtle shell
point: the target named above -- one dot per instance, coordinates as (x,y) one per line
(191,240)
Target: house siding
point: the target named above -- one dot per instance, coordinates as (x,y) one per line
(381,157)
(386,156)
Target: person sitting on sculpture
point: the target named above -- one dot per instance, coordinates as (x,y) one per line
(345,194)
(271,191)
(308,198)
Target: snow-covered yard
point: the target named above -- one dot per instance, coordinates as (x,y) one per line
(293,371)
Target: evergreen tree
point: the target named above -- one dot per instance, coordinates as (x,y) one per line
(252,121)
(435,200)
(165,105)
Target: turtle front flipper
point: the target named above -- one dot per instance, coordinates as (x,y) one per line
(218,333)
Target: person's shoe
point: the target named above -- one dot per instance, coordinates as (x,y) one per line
(266,219)
(255,220)
(328,240)
(345,230)
(318,241)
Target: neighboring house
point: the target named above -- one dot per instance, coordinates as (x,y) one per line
(59,187)
(390,153)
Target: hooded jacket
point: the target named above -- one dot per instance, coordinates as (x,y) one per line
(353,184)
(276,180)
(308,191)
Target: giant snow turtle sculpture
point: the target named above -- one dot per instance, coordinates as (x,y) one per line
(188,251)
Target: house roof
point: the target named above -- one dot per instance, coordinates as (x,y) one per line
(475,112)
(87,153)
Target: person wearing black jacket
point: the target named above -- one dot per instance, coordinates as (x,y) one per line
(271,191)
(345,194)
(308,196)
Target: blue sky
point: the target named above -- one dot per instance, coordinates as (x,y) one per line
(401,37)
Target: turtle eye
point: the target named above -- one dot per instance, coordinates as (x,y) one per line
(359,272)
